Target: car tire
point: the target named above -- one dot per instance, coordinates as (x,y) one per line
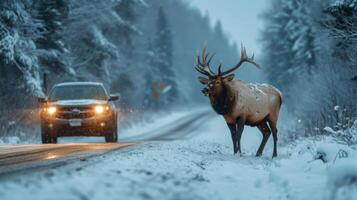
(45,139)
(46,136)
(113,136)
(49,140)
(54,140)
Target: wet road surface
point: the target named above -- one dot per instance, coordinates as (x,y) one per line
(15,158)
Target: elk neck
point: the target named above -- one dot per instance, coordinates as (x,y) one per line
(223,102)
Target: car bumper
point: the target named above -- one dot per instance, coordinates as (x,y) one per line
(95,126)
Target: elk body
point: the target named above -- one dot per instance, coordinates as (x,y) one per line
(241,103)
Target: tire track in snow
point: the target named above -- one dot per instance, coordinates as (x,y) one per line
(182,128)
(14,158)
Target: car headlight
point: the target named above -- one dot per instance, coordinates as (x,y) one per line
(99,109)
(51,110)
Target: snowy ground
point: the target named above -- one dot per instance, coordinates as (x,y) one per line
(200,167)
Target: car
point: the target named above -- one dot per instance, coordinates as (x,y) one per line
(78,109)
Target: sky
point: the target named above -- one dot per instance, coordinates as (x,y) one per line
(240,18)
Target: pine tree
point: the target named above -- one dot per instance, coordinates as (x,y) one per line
(164,59)
(151,96)
(54,54)
(18,53)
(289,42)
(341,22)
(126,11)
(218,30)
(19,69)
(123,37)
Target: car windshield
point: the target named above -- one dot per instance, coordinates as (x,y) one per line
(69,92)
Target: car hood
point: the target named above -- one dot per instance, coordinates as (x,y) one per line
(79,102)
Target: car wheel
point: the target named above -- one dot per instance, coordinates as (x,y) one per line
(113,136)
(45,139)
(54,140)
(49,140)
(46,136)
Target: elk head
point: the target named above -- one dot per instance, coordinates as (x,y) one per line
(215,83)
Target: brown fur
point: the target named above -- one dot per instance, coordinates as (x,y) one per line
(242,103)
(251,104)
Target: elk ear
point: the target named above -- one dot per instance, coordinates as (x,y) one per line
(229,77)
(204,81)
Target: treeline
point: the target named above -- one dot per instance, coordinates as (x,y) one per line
(143,50)
(310,54)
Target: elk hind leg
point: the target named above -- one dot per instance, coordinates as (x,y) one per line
(274,130)
(264,129)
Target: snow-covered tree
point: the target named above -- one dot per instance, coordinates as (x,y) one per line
(341,23)
(53,55)
(151,94)
(288,43)
(106,41)
(123,37)
(310,55)
(18,30)
(87,37)
(163,61)
(126,9)
(19,68)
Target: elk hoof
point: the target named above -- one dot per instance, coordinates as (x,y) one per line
(275,155)
(238,153)
(258,154)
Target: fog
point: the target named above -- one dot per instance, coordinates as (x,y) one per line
(145,50)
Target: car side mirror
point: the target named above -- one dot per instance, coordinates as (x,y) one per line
(42,100)
(113,98)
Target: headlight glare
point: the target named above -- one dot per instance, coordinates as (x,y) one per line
(99,109)
(51,110)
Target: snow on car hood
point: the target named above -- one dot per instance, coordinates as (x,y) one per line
(78,102)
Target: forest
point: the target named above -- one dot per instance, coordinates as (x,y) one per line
(310,55)
(274,120)
(139,49)
(145,50)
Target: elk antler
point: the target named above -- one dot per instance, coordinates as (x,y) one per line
(203,67)
(243,58)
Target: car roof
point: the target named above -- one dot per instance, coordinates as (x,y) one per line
(78,83)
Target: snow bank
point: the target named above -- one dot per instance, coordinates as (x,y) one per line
(10,140)
(330,152)
(342,180)
(348,136)
(343,172)
(341,169)
(199,167)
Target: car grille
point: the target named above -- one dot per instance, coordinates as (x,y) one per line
(72,112)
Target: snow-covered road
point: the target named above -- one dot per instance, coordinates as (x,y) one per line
(198,166)
(21,157)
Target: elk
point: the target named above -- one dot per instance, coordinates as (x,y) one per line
(241,103)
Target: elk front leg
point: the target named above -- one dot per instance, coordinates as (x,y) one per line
(240,128)
(233,129)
